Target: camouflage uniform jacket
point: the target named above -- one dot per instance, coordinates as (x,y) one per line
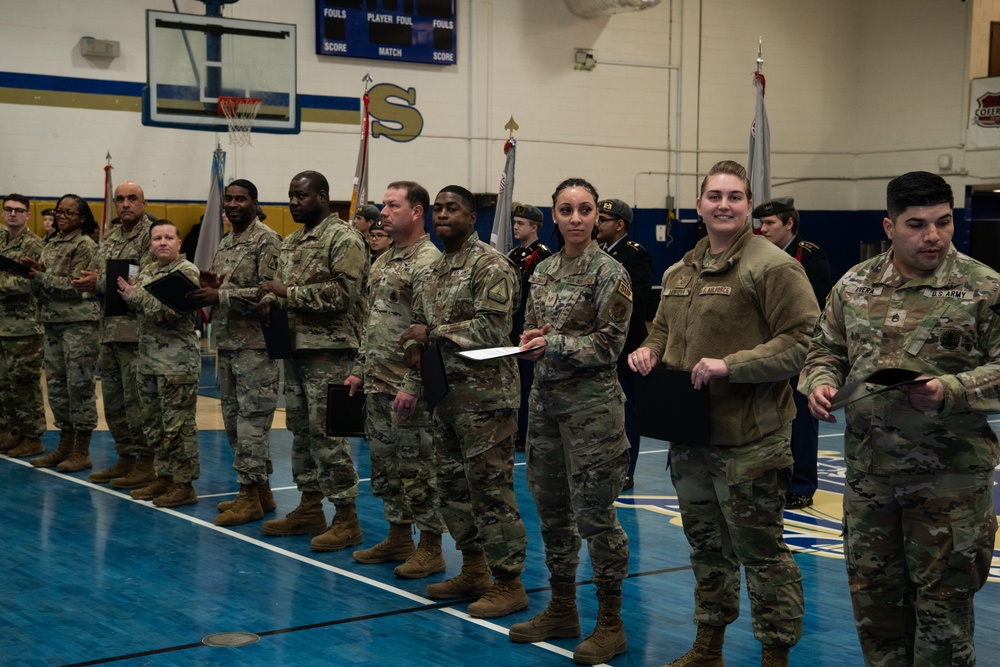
(18,304)
(466,299)
(326,271)
(64,258)
(244,261)
(135,247)
(939,325)
(752,308)
(168,344)
(390,312)
(588,302)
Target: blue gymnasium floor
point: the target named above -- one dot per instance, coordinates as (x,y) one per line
(92,577)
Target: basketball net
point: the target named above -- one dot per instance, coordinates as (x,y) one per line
(240,113)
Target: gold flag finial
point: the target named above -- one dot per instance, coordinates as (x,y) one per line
(511,126)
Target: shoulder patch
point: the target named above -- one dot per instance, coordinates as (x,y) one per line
(500,292)
(625,290)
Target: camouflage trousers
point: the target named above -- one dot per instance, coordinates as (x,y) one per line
(402,457)
(732,501)
(23,409)
(168,419)
(248,386)
(474,452)
(576,467)
(917,548)
(70,370)
(319,462)
(121,398)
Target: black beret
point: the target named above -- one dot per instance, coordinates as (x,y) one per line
(616,208)
(528,212)
(369,211)
(774,207)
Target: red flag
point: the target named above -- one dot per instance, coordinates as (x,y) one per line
(359,194)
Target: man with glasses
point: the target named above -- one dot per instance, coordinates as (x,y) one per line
(22,413)
(615,217)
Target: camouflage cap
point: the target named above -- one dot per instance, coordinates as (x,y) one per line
(774,207)
(616,208)
(369,211)
(528,212)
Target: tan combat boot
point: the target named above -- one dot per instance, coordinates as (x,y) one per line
(58,455)
(142,474)
(344,531)
(158,487)
(472,581)
(8,441)
(559,620)
(179,493)
(79,456)
(425,561)
(123,467)
(264,497)
(396,548)
(608,638)
(306,519)
(774,656)
(506,596)
(244,509)
(26,446)
(707,649)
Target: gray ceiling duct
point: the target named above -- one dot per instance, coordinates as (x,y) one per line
(590,9)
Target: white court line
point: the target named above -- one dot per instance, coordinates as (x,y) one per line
(413,597)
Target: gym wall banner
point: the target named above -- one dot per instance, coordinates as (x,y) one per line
(984,121)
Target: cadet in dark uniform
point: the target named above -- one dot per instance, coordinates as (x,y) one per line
(780,225)
(528,220)
(612,234)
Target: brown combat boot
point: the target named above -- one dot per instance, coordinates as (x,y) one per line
(179,493)
(8,441)
(264,497)
(158,487)
(707,649)
(472,581)
(344,531)
(774,656)
(306,519)
(425,561)
(396,548)
(506,596)
(608,638)
(142,474)
(559,620)
(27,446)
(123,467)
(244,509)
(79,456)
(60,453)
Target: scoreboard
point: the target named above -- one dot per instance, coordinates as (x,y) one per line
(414,31)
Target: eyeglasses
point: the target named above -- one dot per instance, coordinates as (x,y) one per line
(69,214)
(601,221)
(11,209)
(378,235)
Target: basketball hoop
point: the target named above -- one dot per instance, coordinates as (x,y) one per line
(240,113)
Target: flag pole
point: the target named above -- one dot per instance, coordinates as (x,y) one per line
(109,198)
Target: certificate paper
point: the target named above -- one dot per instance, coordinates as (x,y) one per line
(494,352)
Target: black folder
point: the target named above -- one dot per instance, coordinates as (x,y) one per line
(11,266)
(889,378)
(432,375)
(172,290)
(114,304)
(277,335)
(345,414)
(671,409)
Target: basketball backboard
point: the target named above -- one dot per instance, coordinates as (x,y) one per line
(193,60)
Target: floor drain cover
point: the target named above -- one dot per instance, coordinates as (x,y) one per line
(231,639)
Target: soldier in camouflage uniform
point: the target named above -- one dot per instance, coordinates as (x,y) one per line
(120,344)
(22,415)
(401,448)
(167,374)
(465,300)
(918,500)
(71,325)
(248,379)
(322,282)
(737,312)
(577,453)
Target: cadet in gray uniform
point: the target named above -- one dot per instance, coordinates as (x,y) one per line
(22,415)
(248,379)
(323,283)
(577,453)
(918,500)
